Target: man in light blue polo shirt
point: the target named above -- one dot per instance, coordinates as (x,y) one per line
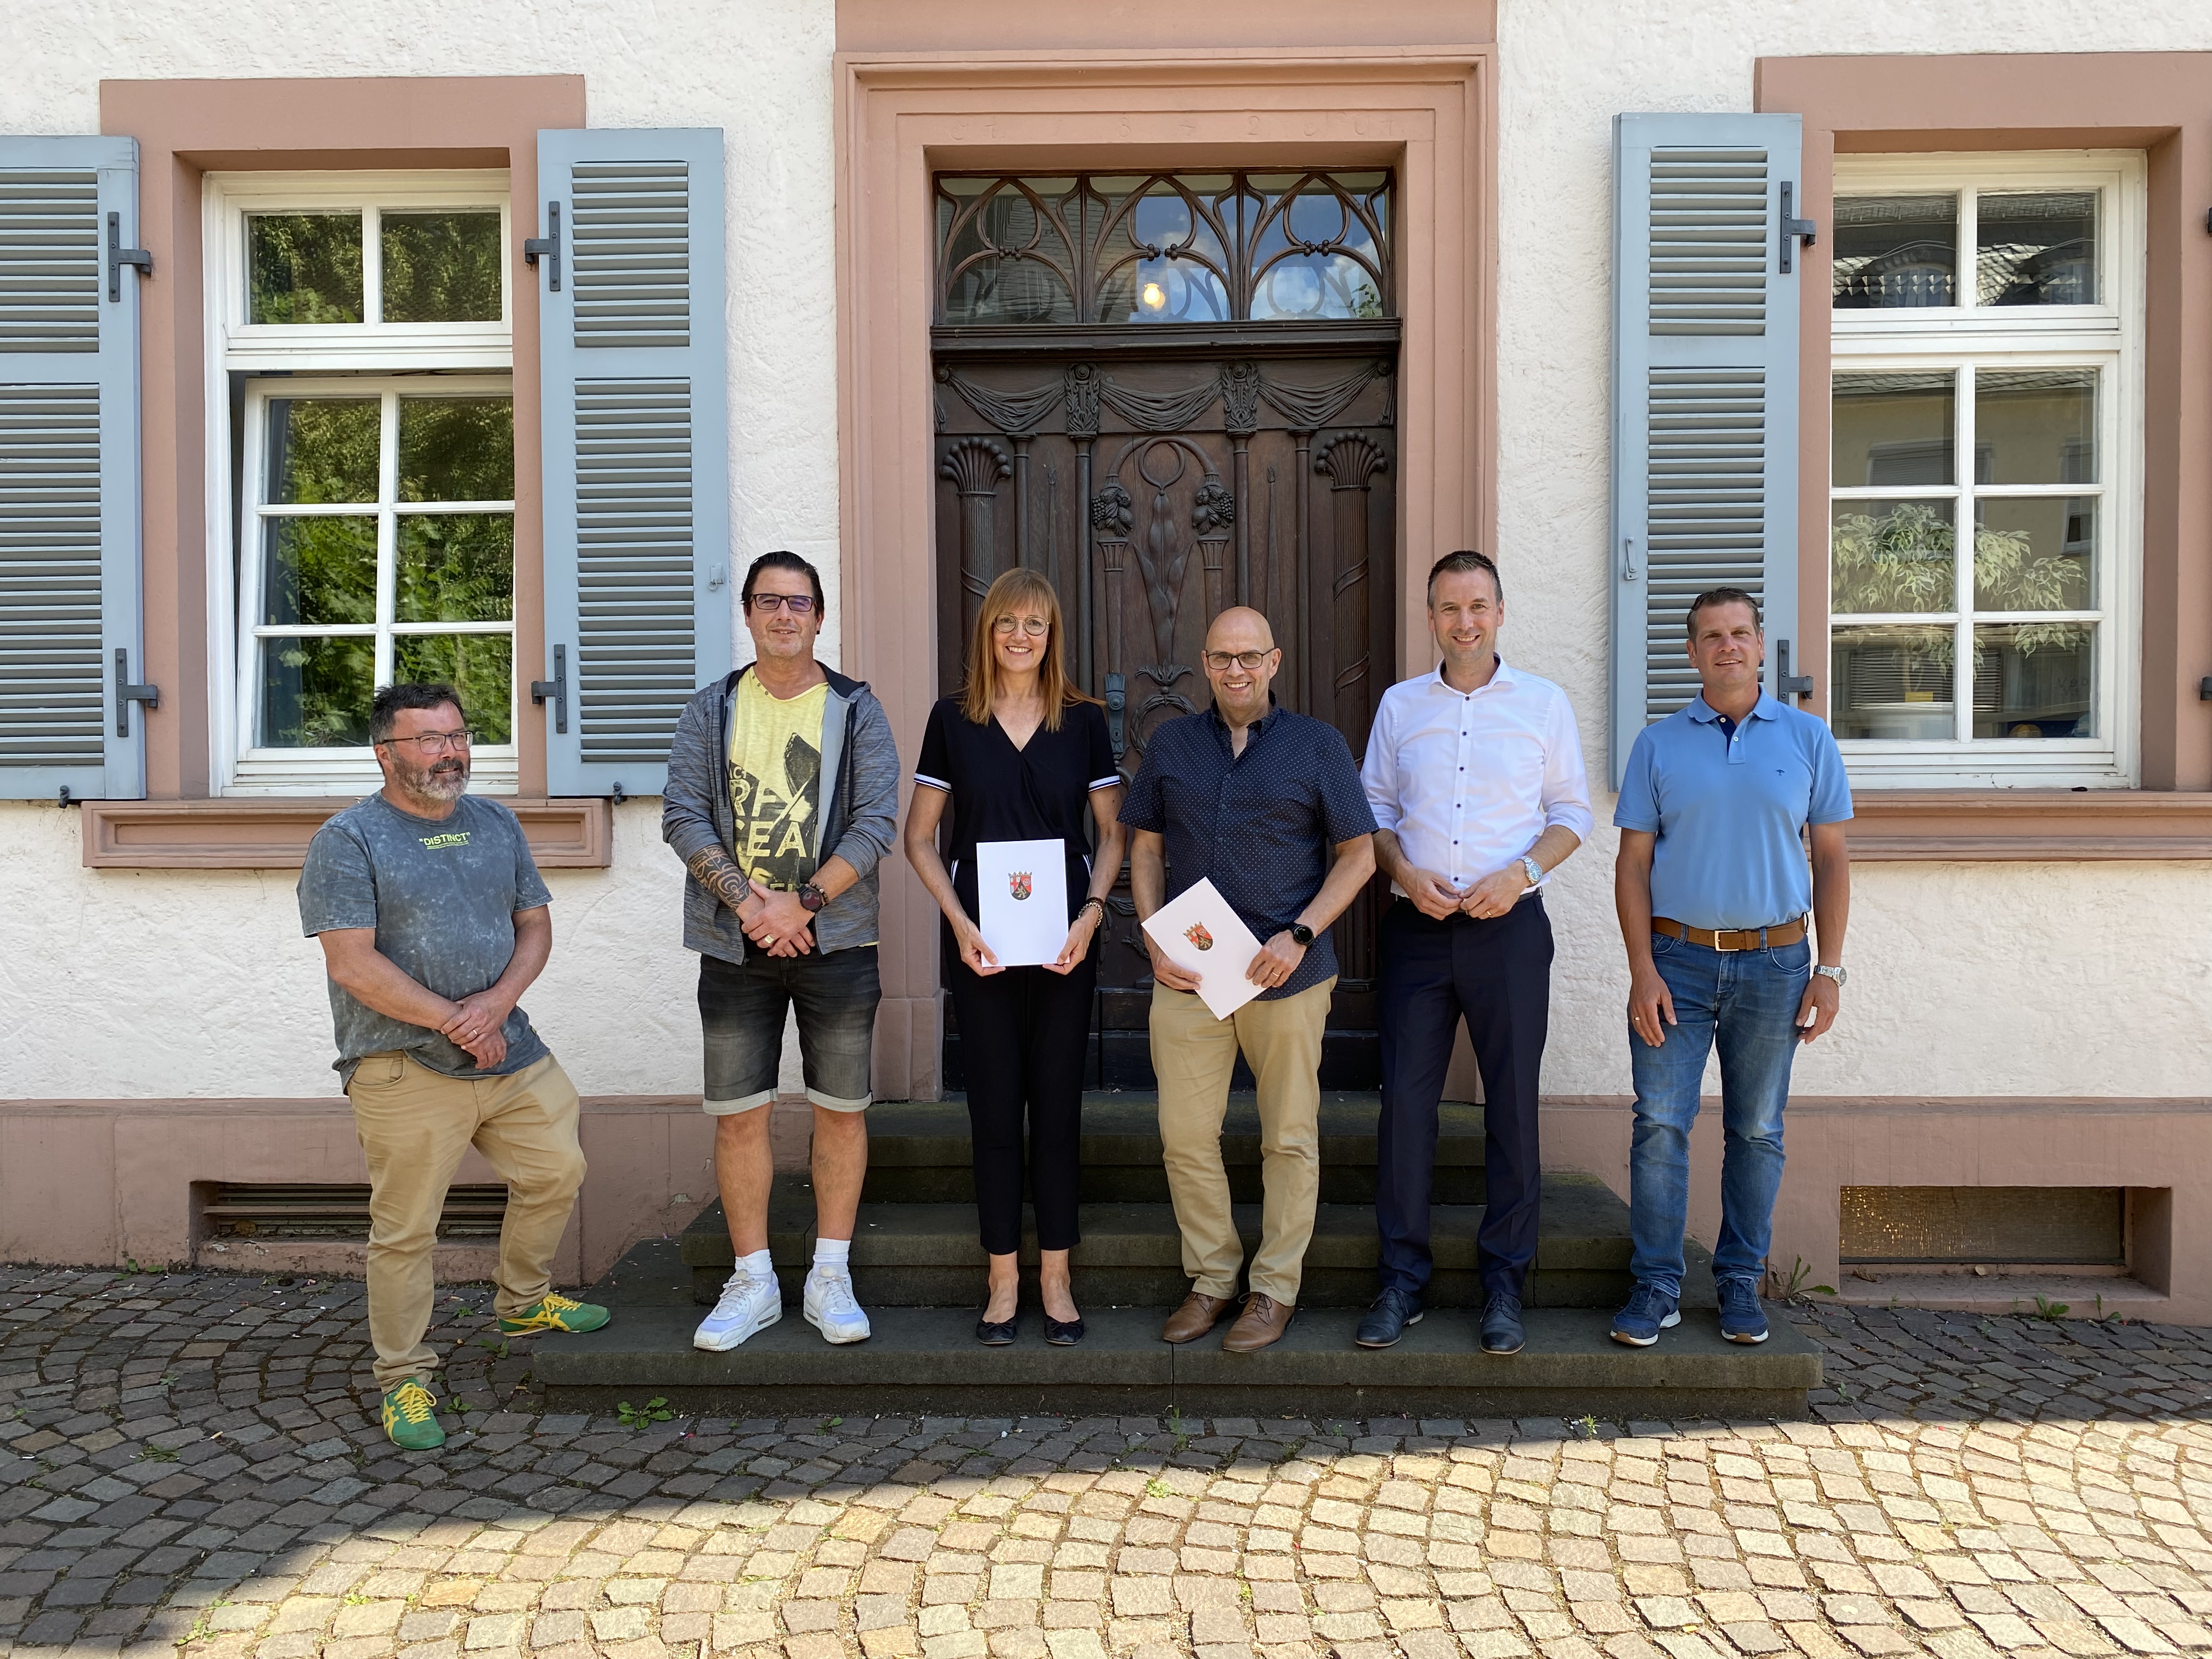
(1713,890)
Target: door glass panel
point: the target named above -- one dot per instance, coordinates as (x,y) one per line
(2036,426)
(1894,683)
(1895,251)
(2036,248)
(441,267)
(317,572)
(315,692)
(480,666)
(1894,430)
(2032,679)
(1892,556)
(2035,553)
(303,268)
(322,450)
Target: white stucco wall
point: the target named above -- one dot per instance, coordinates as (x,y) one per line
(2084,979)
(2092,980)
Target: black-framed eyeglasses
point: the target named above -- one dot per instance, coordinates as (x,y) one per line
(1221,661)
(799,604)
(436,743)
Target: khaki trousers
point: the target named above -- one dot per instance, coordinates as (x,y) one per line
(1194,1056)
(414,1124)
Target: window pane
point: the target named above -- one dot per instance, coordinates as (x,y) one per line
(314,693)
(1892,682)
(2032,679)
(1010,261)
(1894,430)
(480,666)
(303,268)
(318,572)
(1893,251)
(2035,426)
(455,566)
(1136,287)
(2036,248)
(1887,556)
(2037,553)
(457,449)
(440,267)
(322,450)
(1317,258)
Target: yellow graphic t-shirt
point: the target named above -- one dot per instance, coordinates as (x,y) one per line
(776,783)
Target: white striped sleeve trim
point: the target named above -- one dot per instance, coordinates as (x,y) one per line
(929,782)
(1111,781)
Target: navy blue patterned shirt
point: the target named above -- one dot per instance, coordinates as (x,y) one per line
(1262,824)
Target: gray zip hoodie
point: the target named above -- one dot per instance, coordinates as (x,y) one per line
(860,809)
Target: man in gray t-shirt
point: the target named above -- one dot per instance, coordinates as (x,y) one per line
(434,921)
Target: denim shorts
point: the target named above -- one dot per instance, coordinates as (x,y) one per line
(741,1010)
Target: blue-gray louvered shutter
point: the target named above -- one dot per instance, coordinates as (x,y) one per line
(636,446)
(69,626)
(1704,393)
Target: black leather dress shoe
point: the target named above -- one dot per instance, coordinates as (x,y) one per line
(1501,1323)
(1387,1319)
(1063,1333)
(996,1333)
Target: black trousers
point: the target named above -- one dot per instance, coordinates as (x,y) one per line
(1024,1034)
(1498,975)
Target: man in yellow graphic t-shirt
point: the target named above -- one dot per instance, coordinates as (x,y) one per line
(776,782)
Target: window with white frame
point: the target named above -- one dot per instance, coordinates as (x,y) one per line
(360,328)
(1984,516)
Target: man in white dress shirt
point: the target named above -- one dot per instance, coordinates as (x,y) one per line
(1475,772)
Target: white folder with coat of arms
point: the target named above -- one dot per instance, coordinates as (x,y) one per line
(1197,930)
(1021,889)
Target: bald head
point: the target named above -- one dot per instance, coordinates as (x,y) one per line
(1240,628)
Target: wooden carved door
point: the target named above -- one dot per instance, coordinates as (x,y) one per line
(1155,490)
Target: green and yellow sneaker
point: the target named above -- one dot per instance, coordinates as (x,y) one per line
(411,1417)
(555,1313)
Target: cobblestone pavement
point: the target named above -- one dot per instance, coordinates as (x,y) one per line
(186,1466)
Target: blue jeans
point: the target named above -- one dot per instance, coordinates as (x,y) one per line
(1746,1001)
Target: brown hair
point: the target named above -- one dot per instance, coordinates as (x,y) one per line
(1467,559)
(1017,589)
(1719,596)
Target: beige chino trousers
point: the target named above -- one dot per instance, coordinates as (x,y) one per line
(414,1125)
(1194,1056)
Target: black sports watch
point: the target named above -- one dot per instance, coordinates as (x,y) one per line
(811,898)
(1302,934)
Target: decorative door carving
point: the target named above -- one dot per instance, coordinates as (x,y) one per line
(1156,481)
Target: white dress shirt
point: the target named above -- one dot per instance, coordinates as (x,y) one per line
(1469,780)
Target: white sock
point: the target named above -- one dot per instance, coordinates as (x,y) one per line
(833,1255)
(758,1264)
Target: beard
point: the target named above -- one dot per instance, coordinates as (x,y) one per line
(445,779)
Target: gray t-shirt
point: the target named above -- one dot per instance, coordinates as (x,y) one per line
(442,894)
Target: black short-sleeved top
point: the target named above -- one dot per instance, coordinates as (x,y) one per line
(1035,792)
(1262,825)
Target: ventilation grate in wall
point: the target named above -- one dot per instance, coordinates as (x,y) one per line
(296,1210)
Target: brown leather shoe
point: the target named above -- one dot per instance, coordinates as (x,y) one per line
(1262,1322)
(1199,1314)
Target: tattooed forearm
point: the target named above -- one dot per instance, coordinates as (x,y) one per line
(716,872)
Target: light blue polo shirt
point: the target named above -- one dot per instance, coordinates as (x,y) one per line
(1730,811)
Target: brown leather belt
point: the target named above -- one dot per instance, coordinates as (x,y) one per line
(1731,939)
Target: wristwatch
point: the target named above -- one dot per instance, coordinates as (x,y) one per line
(1535,870)
(1838,975)
(811,898)
(1302,934)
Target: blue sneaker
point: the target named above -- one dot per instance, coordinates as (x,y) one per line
(1649,1311)
(1742,1320)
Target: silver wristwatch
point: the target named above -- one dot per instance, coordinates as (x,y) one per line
(1535,871)
(1838,975)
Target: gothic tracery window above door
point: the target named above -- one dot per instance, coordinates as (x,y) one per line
(1173,247)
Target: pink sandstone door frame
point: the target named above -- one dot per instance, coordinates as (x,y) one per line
(1429,112)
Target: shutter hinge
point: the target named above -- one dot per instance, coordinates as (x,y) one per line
(616,798)
(549,245)
(2204,689)
(126,694)
(120,255)
(1802,230)
(557,688)
(1118,701)
(1787,685)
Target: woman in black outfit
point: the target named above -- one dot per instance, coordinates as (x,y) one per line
(1020,755)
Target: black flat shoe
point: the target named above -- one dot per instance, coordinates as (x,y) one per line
(996,1334)
(1063,1333)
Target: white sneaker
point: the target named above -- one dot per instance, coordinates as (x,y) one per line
(830,1308)
(748,1304)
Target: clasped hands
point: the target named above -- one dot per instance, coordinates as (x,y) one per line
(777,922)
(1493,895)
(479,1026)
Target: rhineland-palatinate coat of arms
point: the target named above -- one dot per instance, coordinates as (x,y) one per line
(1197,935)
(1017,882)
